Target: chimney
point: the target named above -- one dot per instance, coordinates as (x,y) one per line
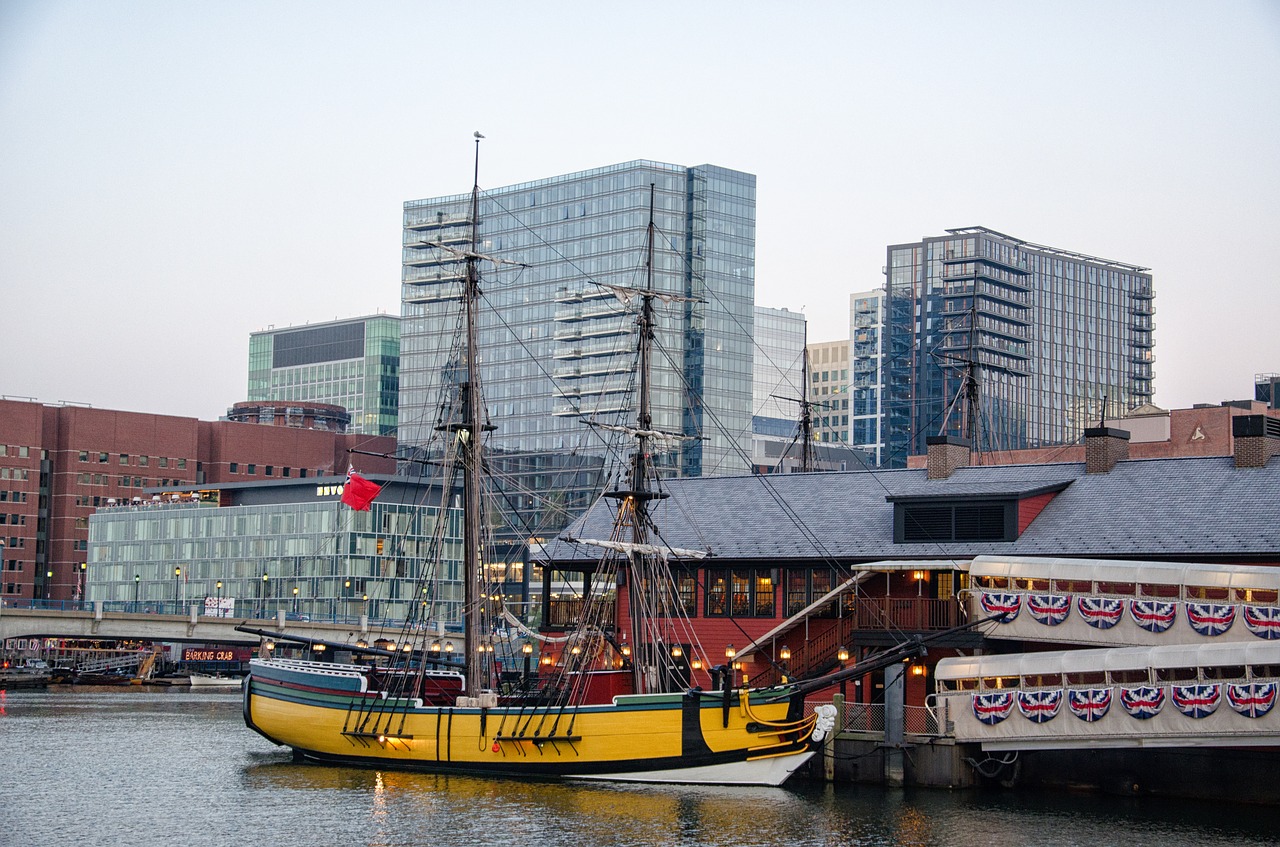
(1257,439)
(945,454)
(1103,447)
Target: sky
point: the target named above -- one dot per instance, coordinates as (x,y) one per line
(175,176)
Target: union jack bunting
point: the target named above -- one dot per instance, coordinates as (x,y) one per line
(1006,604)
(1211,618)
(1262,621)
(1142,702)
(1252,699)
(992,708)
(1100,612)
(1049,609)
(1196,701)
(1153,615)
(1089,704)
(1039,706)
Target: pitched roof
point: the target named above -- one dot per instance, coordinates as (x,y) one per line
(1198,507)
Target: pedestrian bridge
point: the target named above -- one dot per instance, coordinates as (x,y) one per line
(98,623)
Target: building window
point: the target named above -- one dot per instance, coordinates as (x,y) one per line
(687,591)
(235,467)
(742,592)
(124,458)
(84,455)
(252,469)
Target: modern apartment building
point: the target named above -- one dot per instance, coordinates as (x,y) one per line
(866,355)
(1012,344)
(829,390)
(285,545)
(350,363)
(60,464)
(777,384)
(557,327)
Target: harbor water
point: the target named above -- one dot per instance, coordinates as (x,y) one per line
(145,766)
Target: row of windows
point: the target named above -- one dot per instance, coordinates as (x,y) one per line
(123,482)
(140,461)
(19,451)
(15,473)
(7,496)
(749,592)
(1164,591)
(251,469)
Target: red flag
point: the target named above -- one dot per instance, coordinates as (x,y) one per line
(359,492)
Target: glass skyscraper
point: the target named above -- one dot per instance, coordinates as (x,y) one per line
(1049,335)
(351,363)
(777,372)
(558,336)
(866,357)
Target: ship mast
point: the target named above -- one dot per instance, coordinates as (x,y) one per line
(639,495)
(469,435)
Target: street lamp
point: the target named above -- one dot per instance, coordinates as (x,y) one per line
(263,594)
(177,601)
(137,583)
(729,675)
(527,650)
(82,585)
(295,599)
(842,655)
(219,598)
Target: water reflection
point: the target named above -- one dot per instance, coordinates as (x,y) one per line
(158,768)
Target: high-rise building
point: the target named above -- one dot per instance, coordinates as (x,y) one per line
(557,330)
(829,390)
(777,389)
(350,363)
(866,361)
(777,371)
(1011,344)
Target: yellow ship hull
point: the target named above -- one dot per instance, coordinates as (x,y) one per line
(325,713)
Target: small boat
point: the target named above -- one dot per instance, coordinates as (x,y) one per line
(31,673)
(111,677)
(204,680)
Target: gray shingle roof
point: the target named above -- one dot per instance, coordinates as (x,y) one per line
(1192,508)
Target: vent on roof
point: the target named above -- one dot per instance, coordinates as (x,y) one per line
(916,523)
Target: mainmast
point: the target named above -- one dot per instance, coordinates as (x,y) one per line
(469,437)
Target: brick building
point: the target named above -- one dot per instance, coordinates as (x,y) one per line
(60,463)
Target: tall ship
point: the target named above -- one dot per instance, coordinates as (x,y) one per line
(620,706)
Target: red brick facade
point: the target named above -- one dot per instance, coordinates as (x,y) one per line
(59,463)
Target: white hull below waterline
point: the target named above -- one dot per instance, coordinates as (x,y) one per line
(771,771)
